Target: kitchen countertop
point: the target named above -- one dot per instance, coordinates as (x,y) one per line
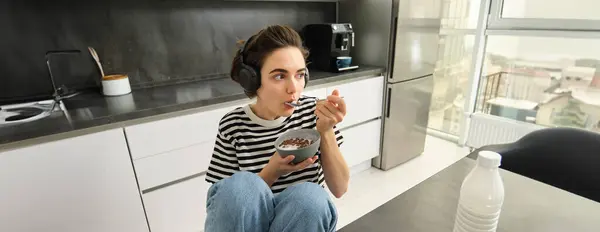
(92,112)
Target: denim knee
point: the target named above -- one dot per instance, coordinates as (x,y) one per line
(312,199)
(240,190)
(242,202)
(248,181)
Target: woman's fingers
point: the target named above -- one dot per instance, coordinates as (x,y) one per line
(338,102)
(334,112)
(287,159)
(336,92)
(299,166)
(325,117)
(318,113)
(326,114)
(331,117)
(284,164)
(305,163)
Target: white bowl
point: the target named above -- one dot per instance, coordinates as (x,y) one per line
(300,154)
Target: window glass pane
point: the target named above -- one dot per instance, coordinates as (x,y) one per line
(460,14)
(420,9)
(551,9)
(451,81)
(547,81)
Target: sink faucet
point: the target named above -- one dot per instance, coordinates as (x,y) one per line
(57,90)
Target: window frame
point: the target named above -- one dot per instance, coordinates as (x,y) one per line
(497,22)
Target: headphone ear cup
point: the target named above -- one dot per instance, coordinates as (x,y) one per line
(306,78)
(249,79)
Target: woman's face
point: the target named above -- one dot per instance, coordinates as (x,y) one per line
(282,80)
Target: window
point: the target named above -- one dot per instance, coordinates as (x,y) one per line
(420,9)
(536,61)
(460,14)
(551,9)
(459,20)
(556,80)
(451,81)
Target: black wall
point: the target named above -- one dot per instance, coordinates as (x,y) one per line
(152,41)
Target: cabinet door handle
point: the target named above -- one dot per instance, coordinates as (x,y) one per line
(389,96)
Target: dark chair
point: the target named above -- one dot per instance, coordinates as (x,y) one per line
(566,158)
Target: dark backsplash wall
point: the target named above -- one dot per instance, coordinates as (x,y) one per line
(152,41)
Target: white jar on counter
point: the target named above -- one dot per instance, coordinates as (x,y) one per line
(115,85)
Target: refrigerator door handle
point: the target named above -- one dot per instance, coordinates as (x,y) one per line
(393,50)
(389,95)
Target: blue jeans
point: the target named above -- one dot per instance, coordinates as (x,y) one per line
(244,202)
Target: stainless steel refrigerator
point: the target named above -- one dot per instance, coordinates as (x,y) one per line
(411,52)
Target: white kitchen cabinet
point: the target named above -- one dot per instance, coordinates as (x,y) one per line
(85,183)
(165,135)
(180,207)
(166,167)
(318,93)
(364,100)
(362,142)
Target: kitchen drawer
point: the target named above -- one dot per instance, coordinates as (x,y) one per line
(180,207)
(166,167)
(364,100)
(84,183)
(318,93)
(170,134)
(361,142)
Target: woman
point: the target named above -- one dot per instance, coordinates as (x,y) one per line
(254,188)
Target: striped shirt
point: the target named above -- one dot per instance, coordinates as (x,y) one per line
(245,142)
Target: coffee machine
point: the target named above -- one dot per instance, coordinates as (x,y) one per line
(329,46)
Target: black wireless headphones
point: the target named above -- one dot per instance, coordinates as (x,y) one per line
(249,76)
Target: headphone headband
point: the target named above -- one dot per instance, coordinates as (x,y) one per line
(249,76)
(243,49)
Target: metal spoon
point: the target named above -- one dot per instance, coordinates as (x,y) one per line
(292,104)
(296,104)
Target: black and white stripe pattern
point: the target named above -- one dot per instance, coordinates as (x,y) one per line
(246,144)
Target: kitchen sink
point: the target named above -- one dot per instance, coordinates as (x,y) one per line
(27,112)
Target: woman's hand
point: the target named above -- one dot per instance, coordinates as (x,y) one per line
(279,166)
(330,112)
